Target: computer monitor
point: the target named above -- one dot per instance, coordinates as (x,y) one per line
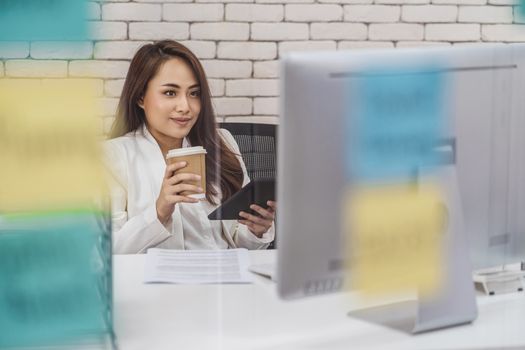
(486,122)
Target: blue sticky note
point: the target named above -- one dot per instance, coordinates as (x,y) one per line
(23,20)
(395,119)
(51,280)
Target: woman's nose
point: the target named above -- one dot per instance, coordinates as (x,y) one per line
(182,105)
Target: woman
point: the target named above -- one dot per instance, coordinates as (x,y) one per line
(166,104)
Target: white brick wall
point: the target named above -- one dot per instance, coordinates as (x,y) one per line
(395,31)
(14,49)
(247,50)
(240,41)
(485,14)
(429,13)
(117,49)
(220,31)
(36,69)
(254,13)
(372,13)
(193,12)
(309,13)
(252,87)
(61,50)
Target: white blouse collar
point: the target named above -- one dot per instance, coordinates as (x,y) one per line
(145,132)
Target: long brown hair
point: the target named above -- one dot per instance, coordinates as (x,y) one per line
(144,65)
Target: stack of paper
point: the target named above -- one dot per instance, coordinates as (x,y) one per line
(197,266)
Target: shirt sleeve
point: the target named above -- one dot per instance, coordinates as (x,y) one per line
(241,235)
(135,234)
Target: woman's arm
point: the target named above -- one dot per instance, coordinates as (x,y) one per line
(130,234)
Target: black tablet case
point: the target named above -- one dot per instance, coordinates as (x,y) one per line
(258,191)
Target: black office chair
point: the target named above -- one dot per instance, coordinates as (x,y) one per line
(258,146)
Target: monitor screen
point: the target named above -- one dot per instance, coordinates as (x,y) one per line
(484,126)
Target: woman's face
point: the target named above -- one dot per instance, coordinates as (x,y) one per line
(172,102)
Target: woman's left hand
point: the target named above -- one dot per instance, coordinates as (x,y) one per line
(259,225)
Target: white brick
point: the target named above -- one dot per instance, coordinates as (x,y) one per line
(503,2)
(202,49)
(266,69)
(106,106)
(14,49)
(288,46)
(108,30)
(283,1)
(227,69)
(354,45)
(193,12)
(232,106)
(94,86)
(159,31)
(61,49)
(395,31)
(309,13)
(220,31)
(503,32)
(219,1)
(252,87)
(93,11)
(518,17)
(279,31)
(485,14)
(452,32)
(34,69)
(353,2)
(113,87)
(217,87)
(338,31)
(401,44)
(266,105)
(429,13)
(131,12)
(157,1)
(402,2)
(117,49)
(460,2)
(247,50)
(371,13)
(263,119)
(254,13)
(98,69)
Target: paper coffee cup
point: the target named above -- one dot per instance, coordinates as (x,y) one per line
(195,157)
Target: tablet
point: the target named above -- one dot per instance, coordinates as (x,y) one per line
(258,191)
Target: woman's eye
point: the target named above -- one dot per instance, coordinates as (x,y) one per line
(169,93)
(195,93)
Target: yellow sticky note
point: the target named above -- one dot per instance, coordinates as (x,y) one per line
(49,152)
(395,238)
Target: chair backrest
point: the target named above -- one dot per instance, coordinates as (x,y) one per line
(258,146)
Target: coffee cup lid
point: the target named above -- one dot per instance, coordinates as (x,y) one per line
(187,151)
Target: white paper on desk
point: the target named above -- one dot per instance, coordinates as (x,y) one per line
(197,266)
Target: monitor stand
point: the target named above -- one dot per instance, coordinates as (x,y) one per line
(504,280)
(455,302)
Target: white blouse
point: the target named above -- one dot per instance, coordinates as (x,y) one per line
(136,168)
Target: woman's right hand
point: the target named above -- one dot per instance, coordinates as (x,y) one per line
(171,188)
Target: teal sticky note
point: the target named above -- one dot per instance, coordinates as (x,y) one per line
(396,118)
(25,20)
(50,274)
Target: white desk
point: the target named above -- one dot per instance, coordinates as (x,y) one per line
(167,316)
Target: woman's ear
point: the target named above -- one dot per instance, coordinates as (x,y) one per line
(140,102)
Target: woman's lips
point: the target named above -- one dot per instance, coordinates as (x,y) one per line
(181,121)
